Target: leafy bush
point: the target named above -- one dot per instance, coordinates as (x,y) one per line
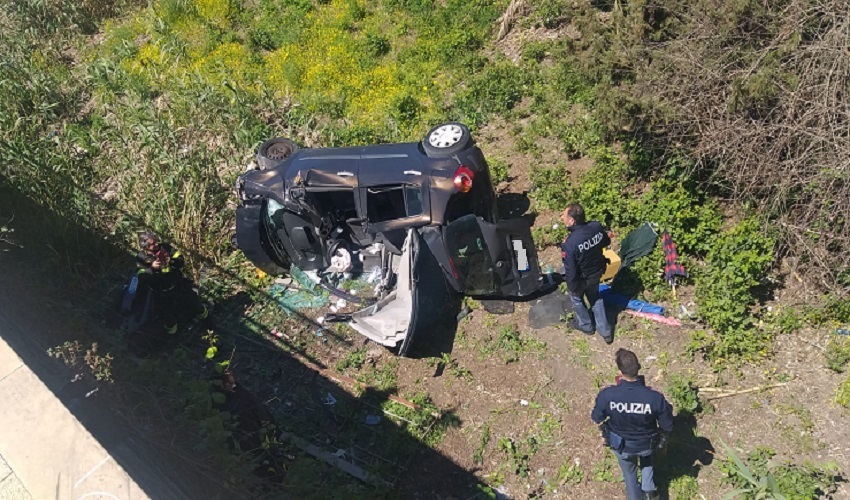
(684,488)
(738,260)
(552,188)
(683,395)
(837,353)
(756,477)
(603,189)
(519,454)
(553,13)
(689,216)
(495,89)
(499,168)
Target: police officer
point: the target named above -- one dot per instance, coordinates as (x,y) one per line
(635,421)
(584,265)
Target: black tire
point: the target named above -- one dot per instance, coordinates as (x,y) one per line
(274,151)
(446,139)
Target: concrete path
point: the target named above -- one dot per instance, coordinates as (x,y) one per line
(45,452)
(59,437)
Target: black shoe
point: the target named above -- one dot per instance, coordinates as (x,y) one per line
(608,340)
(572,323)
(650,495)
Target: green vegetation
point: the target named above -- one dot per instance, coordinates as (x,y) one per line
(757,477)
(509,344)
(354,359)
(147,125)
(519,453)
(684,487)
(72,354)
(683,395)
(842,393)
(837,353)
(569,473)
(734,267)
(478,455)
(450,365)
(607,470)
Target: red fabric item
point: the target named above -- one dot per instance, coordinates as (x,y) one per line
(671,255)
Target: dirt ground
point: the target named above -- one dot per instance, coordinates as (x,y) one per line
(538,393)
(520,399)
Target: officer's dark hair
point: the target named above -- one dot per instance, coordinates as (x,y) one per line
(576,211)
(627,362)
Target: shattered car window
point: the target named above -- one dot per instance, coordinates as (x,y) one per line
(272,208)
(470,256)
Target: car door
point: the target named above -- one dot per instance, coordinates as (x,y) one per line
(487,259)
(394,192)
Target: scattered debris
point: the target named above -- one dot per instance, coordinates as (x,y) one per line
(722,393)
(654,317)
(373,419)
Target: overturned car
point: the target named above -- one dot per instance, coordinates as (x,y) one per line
(405,214)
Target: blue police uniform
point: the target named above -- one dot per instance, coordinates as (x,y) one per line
(584,265)
(634,416)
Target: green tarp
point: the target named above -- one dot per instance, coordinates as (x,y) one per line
(636,244)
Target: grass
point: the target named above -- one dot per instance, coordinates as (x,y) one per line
(478,454)
(452,367)
(837,353)
(509,343)
(149,127)
(606,470)
(569,472)
(842,394)
(582,347)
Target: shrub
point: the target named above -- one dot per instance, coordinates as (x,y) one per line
(500,169)
(691,218)
(551,188)
(735,264)
(757,477)
(837,353)
(603,189)
(684,488)
(552,13)
(217,12)
(683,395)
(495,89)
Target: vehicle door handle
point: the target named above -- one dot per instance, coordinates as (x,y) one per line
(345,174)
(412,172)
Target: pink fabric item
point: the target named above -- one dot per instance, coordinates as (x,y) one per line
(655,317)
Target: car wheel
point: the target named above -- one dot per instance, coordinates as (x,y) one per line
(446,140)
(274,151)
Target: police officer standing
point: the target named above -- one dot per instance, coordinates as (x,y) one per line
(584,265)
(635,421)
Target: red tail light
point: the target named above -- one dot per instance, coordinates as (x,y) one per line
(463,179)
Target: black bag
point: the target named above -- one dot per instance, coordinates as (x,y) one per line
(615,441)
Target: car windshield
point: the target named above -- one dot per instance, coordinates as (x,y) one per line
(470,257)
